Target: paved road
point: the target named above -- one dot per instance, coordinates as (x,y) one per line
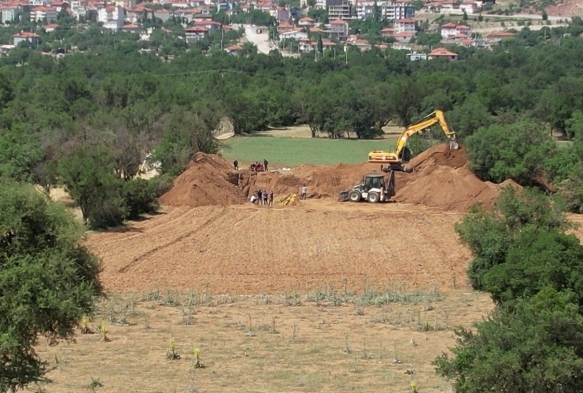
(261,41)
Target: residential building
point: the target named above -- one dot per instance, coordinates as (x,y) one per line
(362,45)
(470,8)
(339,27)
(306,22)
(9,14)
(50,27)
(414,56)
(387,10)
(324,4)
(162,14)
(210,25)
(234,50)
(387,31)
(5,49)
(452,30)
(403,36)
(78,9)
(282,14)
(498,36)
(33,38)
(295,12)
(59,6)
(43,13)
(296,35)
(442,53)
(112,17)
(131,28)
(285,27)
(135,15)
(126,3)
(342,11)
(405,25)
(195,33)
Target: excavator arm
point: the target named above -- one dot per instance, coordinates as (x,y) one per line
(437,117)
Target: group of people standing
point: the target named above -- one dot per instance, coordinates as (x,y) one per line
(254,167)
(262,198)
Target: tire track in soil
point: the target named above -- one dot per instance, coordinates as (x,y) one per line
(174,241)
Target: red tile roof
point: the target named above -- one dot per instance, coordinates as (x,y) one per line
(441,52)
(338,22)
(196,29)
(26,34)
(409,20)
(233,48)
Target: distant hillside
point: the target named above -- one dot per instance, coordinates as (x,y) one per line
(566,8)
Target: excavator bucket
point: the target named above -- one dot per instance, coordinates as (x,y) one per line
(453,145)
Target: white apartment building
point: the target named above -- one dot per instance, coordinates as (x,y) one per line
(112,17)
(405,26)
(78,9)
(43,13)
(387,9)
(324,4)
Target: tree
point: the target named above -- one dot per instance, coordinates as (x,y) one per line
(535,347)
(465,16)
(491,234)
(515,151)
(545,16)
(88,175)
(48,281)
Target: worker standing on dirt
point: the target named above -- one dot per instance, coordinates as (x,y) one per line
(236,165)
(265,165)
(264,197)
(304,191)
(259,195)
(271,198)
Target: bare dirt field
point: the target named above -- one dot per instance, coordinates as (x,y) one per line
(247,249)
(324,341)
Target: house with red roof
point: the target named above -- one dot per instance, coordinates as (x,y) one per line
(50,27)
(339,27)
(33,38)
(195,33)
(43,13)
(442,53)
(405,25)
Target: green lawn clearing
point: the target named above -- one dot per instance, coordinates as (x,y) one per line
(291,152)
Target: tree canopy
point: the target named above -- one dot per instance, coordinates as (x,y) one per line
(48,281)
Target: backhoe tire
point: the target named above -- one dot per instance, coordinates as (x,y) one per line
(373,197)
(354,196)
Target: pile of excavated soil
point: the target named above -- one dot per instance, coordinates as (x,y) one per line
(440,178)
(208,180)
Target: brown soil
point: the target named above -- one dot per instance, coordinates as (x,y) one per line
(248,249)
(440,179)
(210,238)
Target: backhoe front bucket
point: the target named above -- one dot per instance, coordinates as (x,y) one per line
(453,145)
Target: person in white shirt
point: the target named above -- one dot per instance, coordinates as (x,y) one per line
(304,191)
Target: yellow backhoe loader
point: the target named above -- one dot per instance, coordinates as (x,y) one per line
(398,157)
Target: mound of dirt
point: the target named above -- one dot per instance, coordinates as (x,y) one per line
(440,178)
(208,180)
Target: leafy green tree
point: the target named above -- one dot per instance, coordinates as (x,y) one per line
(490,234)
(88,175)
(48,281)
(515,151)
(536,347)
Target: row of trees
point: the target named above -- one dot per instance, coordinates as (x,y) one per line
(128,104)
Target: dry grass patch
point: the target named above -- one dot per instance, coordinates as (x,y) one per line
(327,341)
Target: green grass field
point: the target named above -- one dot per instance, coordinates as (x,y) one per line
(291,152)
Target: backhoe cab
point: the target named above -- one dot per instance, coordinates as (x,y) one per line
(401,153)
(373,188)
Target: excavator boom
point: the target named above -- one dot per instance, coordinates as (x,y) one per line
(436,117)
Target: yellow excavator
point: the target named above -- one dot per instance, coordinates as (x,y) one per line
(398,157)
